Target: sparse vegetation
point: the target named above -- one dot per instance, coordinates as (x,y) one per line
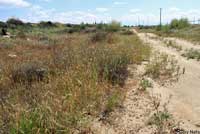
(99,37)
(192,54)
(127,32)
(162,67)
(53,83)
(114,26)
(161,118)
(173,45)
(144,84)
(177,28)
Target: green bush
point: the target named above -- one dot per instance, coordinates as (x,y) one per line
(15,22)
(46,24)
(30,124)
(3,31)
(166,28)
(101,26)
(2,24)
(83,26)
(179,24)
(144,84)
(114,26)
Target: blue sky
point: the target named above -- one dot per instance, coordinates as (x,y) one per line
(76,11)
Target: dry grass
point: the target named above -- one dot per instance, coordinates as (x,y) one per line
(192,54)
(54,83)
(163,68)
(172,44)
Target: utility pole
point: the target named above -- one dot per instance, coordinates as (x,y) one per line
(160,17)
(138,21)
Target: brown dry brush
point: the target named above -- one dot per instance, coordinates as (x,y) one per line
(55,88)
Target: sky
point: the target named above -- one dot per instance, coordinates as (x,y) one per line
(129,12)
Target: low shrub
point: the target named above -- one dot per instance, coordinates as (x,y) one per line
(173,45)
(99,37)
(113,38)
(127,32)
(15,22)
(179,24)
(144,84)
(3,31)
(161,120)
(21,35)
(113,67)
(162,67)
(192,54)
(3,24)
(114,26)
(83,81)
(28,73)
(44,24)
(166,29)
(31,123)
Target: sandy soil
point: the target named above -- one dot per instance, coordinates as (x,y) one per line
(185,103)
(183,96)
(132,117)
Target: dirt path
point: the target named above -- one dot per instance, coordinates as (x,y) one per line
(138,107)
(185,103)
(180,42)
(133,116)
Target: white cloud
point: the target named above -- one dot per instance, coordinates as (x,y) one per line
(174,9)
(133,17)
(172,13)
(139,19)
(17,3)
(38,14)
(136,16)
(101,9)
(120,3)
(135,10)
(45,0)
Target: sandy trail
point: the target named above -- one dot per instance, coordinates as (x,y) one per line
(138,108)
(180,42)
(185,102)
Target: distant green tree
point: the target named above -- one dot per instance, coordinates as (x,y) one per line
(114,26)
(183,23)
(174,24)
(82,26)
(166,28)
(179,24)
(47,24)
(100,26)
(14,21)
(2,24)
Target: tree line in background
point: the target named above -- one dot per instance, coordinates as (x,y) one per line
(14,23)
(175,24)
